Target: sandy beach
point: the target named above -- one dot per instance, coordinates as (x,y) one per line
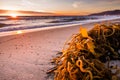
(27,56)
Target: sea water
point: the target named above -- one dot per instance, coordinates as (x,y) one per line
(35,22)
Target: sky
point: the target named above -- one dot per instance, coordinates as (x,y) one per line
(70,7)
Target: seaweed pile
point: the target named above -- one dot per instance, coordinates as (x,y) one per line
(85,55)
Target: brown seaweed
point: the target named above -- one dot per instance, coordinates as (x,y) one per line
(86,54)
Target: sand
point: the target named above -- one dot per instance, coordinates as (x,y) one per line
(27,56)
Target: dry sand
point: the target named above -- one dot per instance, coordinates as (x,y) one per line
(27,56)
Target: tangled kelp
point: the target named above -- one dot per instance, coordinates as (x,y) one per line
(86,54)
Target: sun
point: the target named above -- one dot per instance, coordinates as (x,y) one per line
(13,15)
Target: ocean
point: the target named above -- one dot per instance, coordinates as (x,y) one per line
(33,22)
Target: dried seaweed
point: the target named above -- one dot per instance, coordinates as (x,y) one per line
(86,54)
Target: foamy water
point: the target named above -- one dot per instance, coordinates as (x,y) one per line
(37,24)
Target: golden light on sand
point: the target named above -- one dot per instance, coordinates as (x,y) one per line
(19,32)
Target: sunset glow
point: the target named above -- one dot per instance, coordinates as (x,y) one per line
(13,15)
(19,32)
(75,7)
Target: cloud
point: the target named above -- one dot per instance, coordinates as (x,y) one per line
(93,3)
(27,3)
(113,1)
(76,4)
(97,1)
(107,1)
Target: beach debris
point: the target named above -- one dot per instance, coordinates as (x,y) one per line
(87,53)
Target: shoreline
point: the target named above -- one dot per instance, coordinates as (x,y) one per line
(7,33)
(27,56)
